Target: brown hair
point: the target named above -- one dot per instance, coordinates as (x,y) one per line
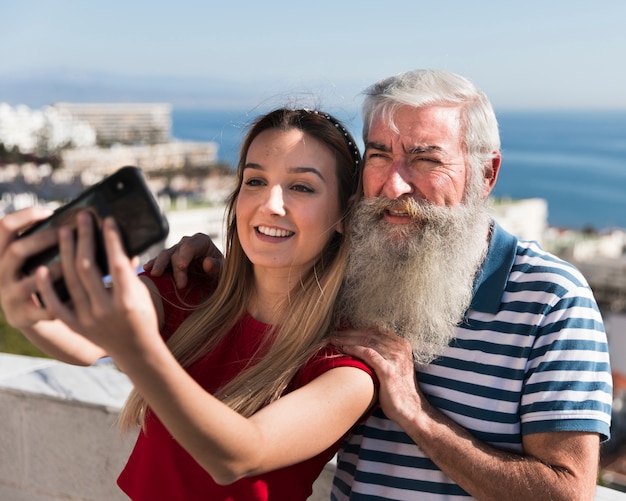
(306,317)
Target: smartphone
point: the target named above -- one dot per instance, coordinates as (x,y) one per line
(125,196)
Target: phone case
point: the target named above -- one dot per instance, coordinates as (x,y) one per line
(125,196)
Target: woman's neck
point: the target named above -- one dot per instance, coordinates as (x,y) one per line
(271,290)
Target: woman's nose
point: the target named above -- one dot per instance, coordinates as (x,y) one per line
(274,203)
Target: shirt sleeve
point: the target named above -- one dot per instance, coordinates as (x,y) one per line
(326,359)
(568,383)
(177,303)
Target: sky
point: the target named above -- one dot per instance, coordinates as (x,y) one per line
(535,54)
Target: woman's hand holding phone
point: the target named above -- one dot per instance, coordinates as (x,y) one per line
(120,319)
(18,291)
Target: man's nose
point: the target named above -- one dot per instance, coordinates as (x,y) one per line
(397,181)
(274,203)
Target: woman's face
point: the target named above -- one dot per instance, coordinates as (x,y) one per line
(288,206)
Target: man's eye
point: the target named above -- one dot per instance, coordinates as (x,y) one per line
(429,160)
(375,157)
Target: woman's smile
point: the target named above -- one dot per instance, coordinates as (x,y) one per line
(273,232)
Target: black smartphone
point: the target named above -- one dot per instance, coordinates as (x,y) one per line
(125,196)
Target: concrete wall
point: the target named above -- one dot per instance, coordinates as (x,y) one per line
(53,450)
(56,440)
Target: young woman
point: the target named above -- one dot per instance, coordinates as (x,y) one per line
(237,392)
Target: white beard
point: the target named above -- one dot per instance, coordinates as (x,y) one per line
(414,279)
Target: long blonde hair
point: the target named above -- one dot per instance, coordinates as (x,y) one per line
(306,317)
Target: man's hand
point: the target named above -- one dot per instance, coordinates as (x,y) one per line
(391,358)
(197,252)
(552,466)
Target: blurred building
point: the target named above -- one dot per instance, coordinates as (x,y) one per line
(41,131)
(97,139)
(527,218)
(124,123)
(148,157)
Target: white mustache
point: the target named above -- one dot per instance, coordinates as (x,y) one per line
(407,205)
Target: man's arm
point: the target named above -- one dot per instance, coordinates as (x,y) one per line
(554,466)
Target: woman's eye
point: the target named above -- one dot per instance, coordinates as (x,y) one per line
(253,182)
(303,188)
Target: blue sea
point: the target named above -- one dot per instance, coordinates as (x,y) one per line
(574,160)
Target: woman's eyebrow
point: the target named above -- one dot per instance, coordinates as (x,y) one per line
(303,169)
(291,170)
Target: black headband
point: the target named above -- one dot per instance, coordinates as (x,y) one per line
(354,150)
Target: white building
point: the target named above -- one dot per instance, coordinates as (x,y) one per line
(44,130)
(126,123)
(527,218)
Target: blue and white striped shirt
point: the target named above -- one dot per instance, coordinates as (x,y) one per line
(531,356)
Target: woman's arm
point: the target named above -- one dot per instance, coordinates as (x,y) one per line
(229,446)
(17,292)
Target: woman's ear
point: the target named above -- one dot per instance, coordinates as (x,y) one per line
(352,201)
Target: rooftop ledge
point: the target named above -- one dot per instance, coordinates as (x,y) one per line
(99,385)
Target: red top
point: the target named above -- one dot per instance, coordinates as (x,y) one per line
(160,469)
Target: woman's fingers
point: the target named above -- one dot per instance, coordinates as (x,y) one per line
(15,222)
(16,252)
(46,291)
(119,263)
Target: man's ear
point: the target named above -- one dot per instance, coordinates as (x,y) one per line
(491,173)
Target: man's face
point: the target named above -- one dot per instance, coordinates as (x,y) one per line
(424,158)
(420,233)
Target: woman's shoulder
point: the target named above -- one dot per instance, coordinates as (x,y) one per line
(326,358)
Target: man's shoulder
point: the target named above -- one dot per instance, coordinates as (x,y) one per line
(522,271)
(531,260)
(518,273)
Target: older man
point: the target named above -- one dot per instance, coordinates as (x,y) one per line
(508,393)
(492,357)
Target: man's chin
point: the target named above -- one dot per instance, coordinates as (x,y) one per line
(414,279)
(403,236)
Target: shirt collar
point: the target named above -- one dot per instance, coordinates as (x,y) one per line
(495,270)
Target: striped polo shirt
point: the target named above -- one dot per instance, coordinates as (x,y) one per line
(531,356)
